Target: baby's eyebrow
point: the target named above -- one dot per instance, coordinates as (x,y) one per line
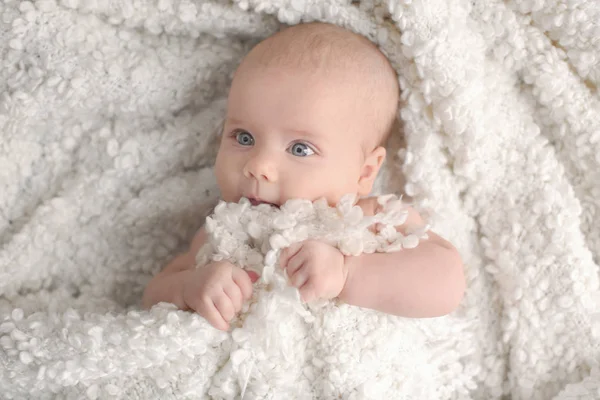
(306,134)
(234,121)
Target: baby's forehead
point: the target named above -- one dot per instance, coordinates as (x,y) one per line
(340,57)
(319,46)
(327,52)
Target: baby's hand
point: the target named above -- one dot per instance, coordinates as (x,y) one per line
(317,269)
(217,292)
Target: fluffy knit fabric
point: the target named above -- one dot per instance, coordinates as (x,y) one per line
(108,111)
(279,348)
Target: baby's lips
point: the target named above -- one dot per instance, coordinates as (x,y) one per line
(253,276)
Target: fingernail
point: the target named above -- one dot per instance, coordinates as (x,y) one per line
(253,276)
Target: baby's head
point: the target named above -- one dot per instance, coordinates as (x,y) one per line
(307,114)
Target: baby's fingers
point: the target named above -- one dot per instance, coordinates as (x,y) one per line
(307,292)
(234,292)
(299,278)
(242,279)
(296,263)
(225,307)
(288,253)
(209,311)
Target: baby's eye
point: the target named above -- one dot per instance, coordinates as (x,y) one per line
(301,150)
(244,138)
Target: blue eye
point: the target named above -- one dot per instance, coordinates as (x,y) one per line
(301,150)
(244,138)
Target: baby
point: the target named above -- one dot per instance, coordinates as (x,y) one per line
(308,111)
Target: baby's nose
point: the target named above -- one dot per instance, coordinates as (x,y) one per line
(262,168)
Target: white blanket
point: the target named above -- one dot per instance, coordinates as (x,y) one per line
(282,349)
(108,111)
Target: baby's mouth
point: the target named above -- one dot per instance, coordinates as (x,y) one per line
(256,202)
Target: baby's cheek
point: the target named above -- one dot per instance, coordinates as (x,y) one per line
(227,184)
(301,188)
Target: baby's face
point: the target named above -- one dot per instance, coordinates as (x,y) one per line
(289,134)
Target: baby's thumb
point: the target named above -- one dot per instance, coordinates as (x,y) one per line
(253,276)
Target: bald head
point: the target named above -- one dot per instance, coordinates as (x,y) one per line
(330,51)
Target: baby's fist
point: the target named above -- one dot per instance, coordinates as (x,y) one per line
(217,291)
(317,269)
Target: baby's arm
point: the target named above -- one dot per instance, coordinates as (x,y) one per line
(167,285)
(426,281)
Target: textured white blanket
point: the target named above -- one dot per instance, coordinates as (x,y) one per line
(279,348)
(108,111)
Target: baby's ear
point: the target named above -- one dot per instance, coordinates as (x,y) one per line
(369,171)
